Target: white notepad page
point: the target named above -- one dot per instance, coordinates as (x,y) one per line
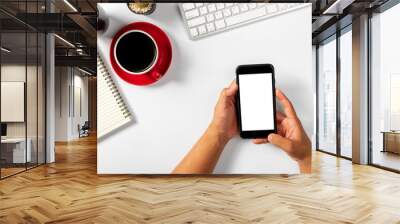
(112,111)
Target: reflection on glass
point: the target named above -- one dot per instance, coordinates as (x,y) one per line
(394,102)
(385,114)
(346,94)
(14,153)
(22,90)
(31,101)
(327,96)
(41,99)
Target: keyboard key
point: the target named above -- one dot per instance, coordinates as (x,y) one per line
(191,14)
(210,17)
(227,12)
(220,6)
(291,5)
(235,9)
(229,4)
(187,6)
(271,8)
(210,27)
(199,5)
(203,10)
(249,15)
(220,24)
(196,21)
(252,5)
(282,6)
(243,7)
(218,15)
(193,32)
(202,29)
(212,8)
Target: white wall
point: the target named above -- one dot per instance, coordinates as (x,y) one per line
(61,103)
(33,126)
(81,84)
(70,83)
(14,73)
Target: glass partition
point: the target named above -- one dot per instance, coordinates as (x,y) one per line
(346,93)
(327,96)
(13,105)
(23,90)
(31,99)
(385,89)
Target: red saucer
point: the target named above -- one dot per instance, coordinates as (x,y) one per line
(163,60)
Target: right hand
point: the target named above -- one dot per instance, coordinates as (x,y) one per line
(291,136)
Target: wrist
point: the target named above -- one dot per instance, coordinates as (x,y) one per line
(305,165)
(216,132)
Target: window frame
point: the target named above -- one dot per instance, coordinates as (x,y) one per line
(334,37)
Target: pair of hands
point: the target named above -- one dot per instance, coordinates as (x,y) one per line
(291,136)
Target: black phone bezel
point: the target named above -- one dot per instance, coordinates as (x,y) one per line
(248,70)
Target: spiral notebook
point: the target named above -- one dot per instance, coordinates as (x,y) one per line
(112,112)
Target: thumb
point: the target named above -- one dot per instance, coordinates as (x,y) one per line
(281,142)
(223,97)
(232,89)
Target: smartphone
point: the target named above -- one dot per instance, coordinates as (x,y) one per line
(255,102)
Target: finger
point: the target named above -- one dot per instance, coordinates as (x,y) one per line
(223,92)
(222,97)
(280,130)
(232,89)
(287,105)
(281,142)
(280,116)
(260,141)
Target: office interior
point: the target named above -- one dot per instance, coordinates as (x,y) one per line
(48,78)
(46,98)
(337,68)
(34,51)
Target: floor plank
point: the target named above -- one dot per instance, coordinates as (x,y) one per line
(70,191)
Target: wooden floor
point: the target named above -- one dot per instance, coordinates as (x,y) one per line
(70,191)
(5,172)
(387,159)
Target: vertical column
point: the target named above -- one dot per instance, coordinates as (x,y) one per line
(315,86)
(50,92)
(360,90)
(338,91)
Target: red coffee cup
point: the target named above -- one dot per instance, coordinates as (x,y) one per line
(140,53)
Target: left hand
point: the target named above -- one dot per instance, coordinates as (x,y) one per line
(224,121)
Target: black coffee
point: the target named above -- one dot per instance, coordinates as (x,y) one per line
(136,52)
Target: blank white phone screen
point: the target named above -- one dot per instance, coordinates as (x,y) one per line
(256,102)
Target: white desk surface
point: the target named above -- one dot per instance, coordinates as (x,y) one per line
(172,114)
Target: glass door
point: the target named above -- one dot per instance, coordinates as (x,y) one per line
(327,96)
(345,93)
(385,90)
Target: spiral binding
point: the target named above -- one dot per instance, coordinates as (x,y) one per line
(111,85)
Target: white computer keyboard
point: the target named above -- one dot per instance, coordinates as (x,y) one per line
(205,19)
